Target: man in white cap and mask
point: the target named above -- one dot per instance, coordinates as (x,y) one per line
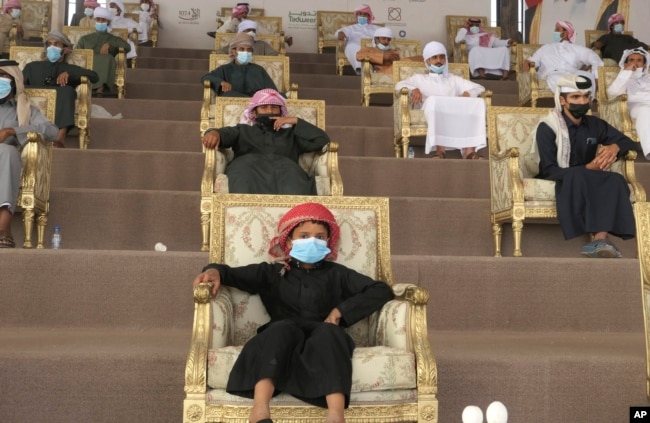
(576,151)
(105,46)
(352,34)
(17,118)
(455,116)
(634,80)
(382,54)
(260,47)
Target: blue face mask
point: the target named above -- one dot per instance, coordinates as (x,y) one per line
(53,53)
(382,47)
(437,69)
(101,26)
(474,29)
(309,250)
(88,11)
(557,36)
(15,13)
(5,87)
(244,57)
(618,28)
(362,20)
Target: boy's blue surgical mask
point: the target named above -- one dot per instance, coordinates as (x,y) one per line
(557,36)
(101,26)
(618,28)
(15,13)
(88,11)
(5,87)
(53,53)
(309,250)
(437,69)
(244,57)
(362,20)
(474,29)
(382,47)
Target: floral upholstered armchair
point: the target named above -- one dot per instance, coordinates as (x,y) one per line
(516,195)
(531,88)
(642,216)
(328,22)
(222,39)
(276,66)
(453,22)
(614,110)
(36,156)
(410,122)
(381,83)
(79,57)
(322,165)
(394,375)
(35,17)
(592,35)
(133,11)
(75,32)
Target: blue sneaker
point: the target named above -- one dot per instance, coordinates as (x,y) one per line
(600,248)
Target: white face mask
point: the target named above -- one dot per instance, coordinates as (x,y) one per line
(88,11)
(113,11)
(638,73)
(144,7)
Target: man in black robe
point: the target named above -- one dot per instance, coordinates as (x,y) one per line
(55,73)
(613,44)
(267,148)
(239,78)
(576,151)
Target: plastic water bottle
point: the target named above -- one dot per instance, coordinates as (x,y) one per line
(56,238)
(411,153)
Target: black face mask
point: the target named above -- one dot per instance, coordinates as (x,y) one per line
(578,110)
(264,119)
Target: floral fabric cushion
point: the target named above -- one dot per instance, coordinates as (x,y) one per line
(539,190)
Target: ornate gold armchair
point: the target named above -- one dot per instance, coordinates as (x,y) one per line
(409,122)
(222,39)
(614,110)
(276,66)
(516,195)
(394,375)
(642,215)
(453,22)
(531,88)
(79,57)
(324,165)
(75,32)
(36,17)
(328,22)
(592,35)
(381,83)
(133,11)
(36,156)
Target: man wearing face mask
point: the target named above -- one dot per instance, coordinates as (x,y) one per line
(455,117)
(17,118)
(89,7)
(577,151)
(239,78)
(119,21)
(267,147)
(53,72)
(613,44)
(634,80)
(352,34)
(303,350)
(10,16)
(382,54)
(260,48)
(147,13)
(563,56)
(486,52)
(106,46)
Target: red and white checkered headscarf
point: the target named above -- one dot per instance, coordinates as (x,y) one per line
(10,5)
(239,10)
(301,213)
(571,31)
(364,8)
(263,97)
(616,17)
(91,3)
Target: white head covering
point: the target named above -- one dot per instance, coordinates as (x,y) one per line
(571,83)
(102,12)
(434,48)
(247,24)
(383,32)
(638,50)
(118,3)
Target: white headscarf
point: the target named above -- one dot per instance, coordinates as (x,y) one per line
(247,24)
(638,50)
(435,48)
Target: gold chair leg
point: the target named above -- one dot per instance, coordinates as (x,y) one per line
(205,231)
(398,149)
(517,229)
(496,233)
(41,225)
(28,225)
(405,147)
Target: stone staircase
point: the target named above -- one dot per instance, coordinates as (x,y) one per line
(99,330)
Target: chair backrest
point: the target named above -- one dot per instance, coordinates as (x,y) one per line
(328,22)
(405,48)
(591,35)
(514,127)
(606,75)
(227,11)
(229,110)
(276,66)
(222,39)
(272,24)
(34,15)
(44,99)
(134,8)
(453,22)
(24,55)
(75,32)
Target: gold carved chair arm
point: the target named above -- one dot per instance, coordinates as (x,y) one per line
(133,37)
(293,91)
(13,35)
(463,52)
(321,38)
(207,187)
(205,106)
(336,182)
(84,108)
(153,33)
(120,73)
(197,358)
(487,96)
(340,56)
(630,175)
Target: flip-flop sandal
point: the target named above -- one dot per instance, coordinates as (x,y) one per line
(473,156)
(439,155)
(7,241)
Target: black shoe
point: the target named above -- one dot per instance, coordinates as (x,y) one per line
(212,34)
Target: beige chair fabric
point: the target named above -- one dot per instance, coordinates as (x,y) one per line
(614,110)
(36,17)
(453,22)
(341,59)
(83,104)
(328,22)
(642,215)
(323,165)
(394,370)
(531,89)
(516,195)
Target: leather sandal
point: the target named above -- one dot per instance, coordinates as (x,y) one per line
(439,155)
(7,241)
(473,156)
